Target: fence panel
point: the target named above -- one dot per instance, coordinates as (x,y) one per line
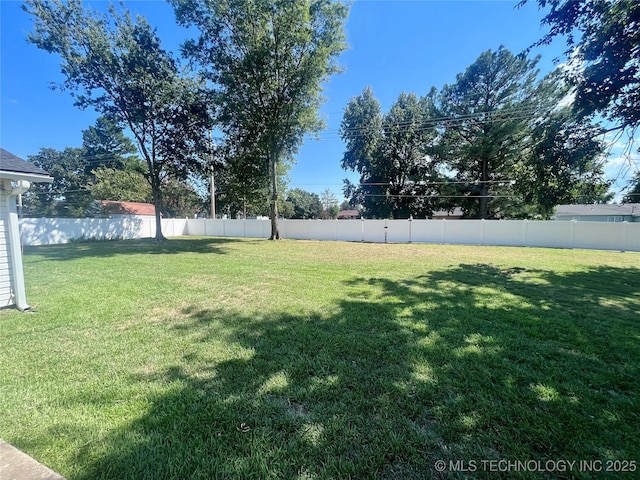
(232,227)
(295,229)
(504,232)
(549,234)
(427,231)
(174,227)
(632,237)
(399,231)
(51,231)
(374,231)
(322,230)
(468,232)
(609,236)
(349,230)
(196,227)
(256,228)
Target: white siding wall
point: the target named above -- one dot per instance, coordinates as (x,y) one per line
(6,275)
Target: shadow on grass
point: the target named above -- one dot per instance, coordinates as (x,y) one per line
(109,248)
(470,363)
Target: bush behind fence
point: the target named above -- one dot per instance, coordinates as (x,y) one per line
(591,235)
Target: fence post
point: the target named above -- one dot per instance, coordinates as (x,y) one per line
(410,220)
(483,227)
(362,228)
(525,225)
(625,236)
(573,234)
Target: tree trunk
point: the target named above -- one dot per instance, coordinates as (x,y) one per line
(484,191)
(157,202)
(275,234)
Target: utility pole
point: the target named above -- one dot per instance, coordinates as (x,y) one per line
(213,182)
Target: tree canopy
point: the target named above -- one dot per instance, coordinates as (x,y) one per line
(305,204)
(603,46)
(116,65)
(391,152)
(267,61)
(498,143)
(632,195)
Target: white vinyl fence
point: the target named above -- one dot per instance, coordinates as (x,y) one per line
(51,231)
(591,235)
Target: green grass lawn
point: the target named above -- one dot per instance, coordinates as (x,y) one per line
(222,358)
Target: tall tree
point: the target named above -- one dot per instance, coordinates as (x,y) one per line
(242,184)
(487,111)
(392,154)
(564,164)
(329,204)
(328,198)
(305,204)
(361,131)
(603,40)
(117,66)
(267,61)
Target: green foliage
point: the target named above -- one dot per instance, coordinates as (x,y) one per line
(267,61)
(241,190)
(333,211)
(494,99)
(328,198)
(495,143)
(391,152)
(565,165)
(117,66)
(633,194)
(305,204)
(329,204)
(106,145)
(603,41)
(103,169)
(120,185)
(67,195)
(180,199)
(345,205)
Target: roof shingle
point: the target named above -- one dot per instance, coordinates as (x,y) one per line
(12,163)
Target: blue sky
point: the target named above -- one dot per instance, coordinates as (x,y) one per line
(394,46)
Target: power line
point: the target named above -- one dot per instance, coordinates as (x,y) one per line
(472,197)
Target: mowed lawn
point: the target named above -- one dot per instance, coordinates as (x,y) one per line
(226,358)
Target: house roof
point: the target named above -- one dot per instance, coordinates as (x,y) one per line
(597,209)
(128,208)
(348,213)
(12,166)
(456,212)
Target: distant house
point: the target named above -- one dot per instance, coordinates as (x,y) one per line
(16,176)
(454,214)
(348,214)
(626,212)
(115,209)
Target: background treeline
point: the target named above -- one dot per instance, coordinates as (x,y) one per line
(500,142)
